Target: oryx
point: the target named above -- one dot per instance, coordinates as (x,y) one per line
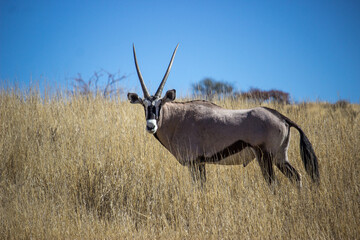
(200,132)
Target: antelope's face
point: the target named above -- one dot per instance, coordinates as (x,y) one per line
(152,104)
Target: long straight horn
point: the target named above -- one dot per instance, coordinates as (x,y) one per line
(159,91)
(145,91)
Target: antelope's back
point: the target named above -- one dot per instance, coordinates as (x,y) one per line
(201,128)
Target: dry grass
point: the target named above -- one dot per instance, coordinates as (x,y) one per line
(84,168)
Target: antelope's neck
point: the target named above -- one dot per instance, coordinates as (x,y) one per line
(167,124)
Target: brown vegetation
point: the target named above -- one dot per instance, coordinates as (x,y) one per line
(262,95)
(84,168)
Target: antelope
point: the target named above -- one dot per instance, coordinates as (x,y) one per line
(199,132)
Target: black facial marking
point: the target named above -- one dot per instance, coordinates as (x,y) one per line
(151,111)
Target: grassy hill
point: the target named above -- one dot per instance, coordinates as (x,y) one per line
(85,168)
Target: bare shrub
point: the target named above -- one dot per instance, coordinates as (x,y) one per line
(341,104)
(94,87)
(209,88)
(262,95)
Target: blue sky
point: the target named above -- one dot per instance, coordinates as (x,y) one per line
(310,49)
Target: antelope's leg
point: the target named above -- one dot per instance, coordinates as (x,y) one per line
(198,173)
(202,171)
(265,162)
(290,172)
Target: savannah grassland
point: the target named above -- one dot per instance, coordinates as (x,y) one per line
(85,168)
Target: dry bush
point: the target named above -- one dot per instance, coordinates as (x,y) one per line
(84,168)
(275,96)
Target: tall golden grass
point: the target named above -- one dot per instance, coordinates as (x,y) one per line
(84,168)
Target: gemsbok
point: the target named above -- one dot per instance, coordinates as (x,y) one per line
(200,132)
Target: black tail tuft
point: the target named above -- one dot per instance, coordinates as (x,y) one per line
(309,158)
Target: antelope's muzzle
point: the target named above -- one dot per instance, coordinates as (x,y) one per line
(151,126)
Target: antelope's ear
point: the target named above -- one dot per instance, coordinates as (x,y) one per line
(169,96)
(134,98)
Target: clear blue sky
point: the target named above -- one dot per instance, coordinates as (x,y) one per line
(310,49)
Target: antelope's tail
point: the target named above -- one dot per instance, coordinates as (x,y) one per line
(307,154)
(306,150)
